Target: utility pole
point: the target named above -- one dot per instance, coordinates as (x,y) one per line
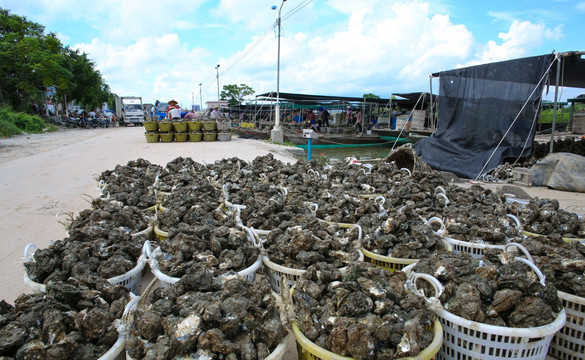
(276,135)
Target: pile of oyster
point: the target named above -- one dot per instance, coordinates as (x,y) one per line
(544,217)
(562,262)
(305,241)
(74,319)
(207,316)
(222,247)
(100,244)
(363,313)
(495,290)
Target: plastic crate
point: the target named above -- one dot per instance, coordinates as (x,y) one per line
(152,255)
(569,342)
(308,350)
(130,279)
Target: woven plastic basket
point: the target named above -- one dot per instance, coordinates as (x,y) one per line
(569,342)
(151,125)
(165,126)
(466,339)
(195,136)
(130,279)
(224,136)
(308,350)
(195,125)
(180,126)
(165,280)
(151,137)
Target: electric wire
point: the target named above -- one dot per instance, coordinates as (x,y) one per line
(251,49)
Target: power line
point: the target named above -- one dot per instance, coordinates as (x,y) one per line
(257,43)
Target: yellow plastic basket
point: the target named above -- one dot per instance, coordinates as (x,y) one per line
(387,262)
(565,239)
(308,350)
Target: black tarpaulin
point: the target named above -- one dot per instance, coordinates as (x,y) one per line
(477,105)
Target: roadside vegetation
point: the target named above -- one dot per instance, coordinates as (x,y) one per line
(15,123)
(31,61)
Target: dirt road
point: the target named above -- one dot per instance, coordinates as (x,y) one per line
(47,174)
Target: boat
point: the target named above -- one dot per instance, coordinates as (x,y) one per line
(325,140)
(411,135)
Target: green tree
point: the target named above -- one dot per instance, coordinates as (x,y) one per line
(371,96)
(235,94)
(31,60)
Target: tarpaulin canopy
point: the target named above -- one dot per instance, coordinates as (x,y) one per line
(486,114)
(407,100)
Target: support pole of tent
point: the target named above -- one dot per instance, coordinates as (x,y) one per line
(554,119)
(432,117)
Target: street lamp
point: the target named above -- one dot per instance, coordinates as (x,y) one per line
(276,134)
(217,68)
(200,98)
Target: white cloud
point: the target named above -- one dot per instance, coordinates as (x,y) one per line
(580,6)
(520,39)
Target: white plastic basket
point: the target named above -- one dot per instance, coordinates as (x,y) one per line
(276,272)
(476,249)
(130,279)
(152,255)
(465,339)
(569,342)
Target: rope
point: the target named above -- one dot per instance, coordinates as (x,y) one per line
(403,125)
(546,73)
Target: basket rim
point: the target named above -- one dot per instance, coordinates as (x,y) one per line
(388,258)
(425,354)
(570,297)
(533,332)
(39,287)
(565,239)
(154,266)
(297,272)
(453,241)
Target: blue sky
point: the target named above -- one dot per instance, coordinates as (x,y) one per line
(163,50)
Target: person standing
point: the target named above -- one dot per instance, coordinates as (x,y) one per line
(326,117)
(349,115)
(358,121)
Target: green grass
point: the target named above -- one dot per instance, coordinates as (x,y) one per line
(15,123)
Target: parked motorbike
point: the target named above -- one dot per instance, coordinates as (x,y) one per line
(74,122)
(104,122)
(92,122)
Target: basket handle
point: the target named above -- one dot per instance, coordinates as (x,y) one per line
(359,230)
(311,171)
(508,246)
(442,195)
(313,207)
(541,276)
(441,232)
(439,189)
(380,200)
(29,251)
(407,170)
(437,286)
(516,220)
(147,250)
(368,188)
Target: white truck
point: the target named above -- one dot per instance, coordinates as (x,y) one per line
(129,110)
